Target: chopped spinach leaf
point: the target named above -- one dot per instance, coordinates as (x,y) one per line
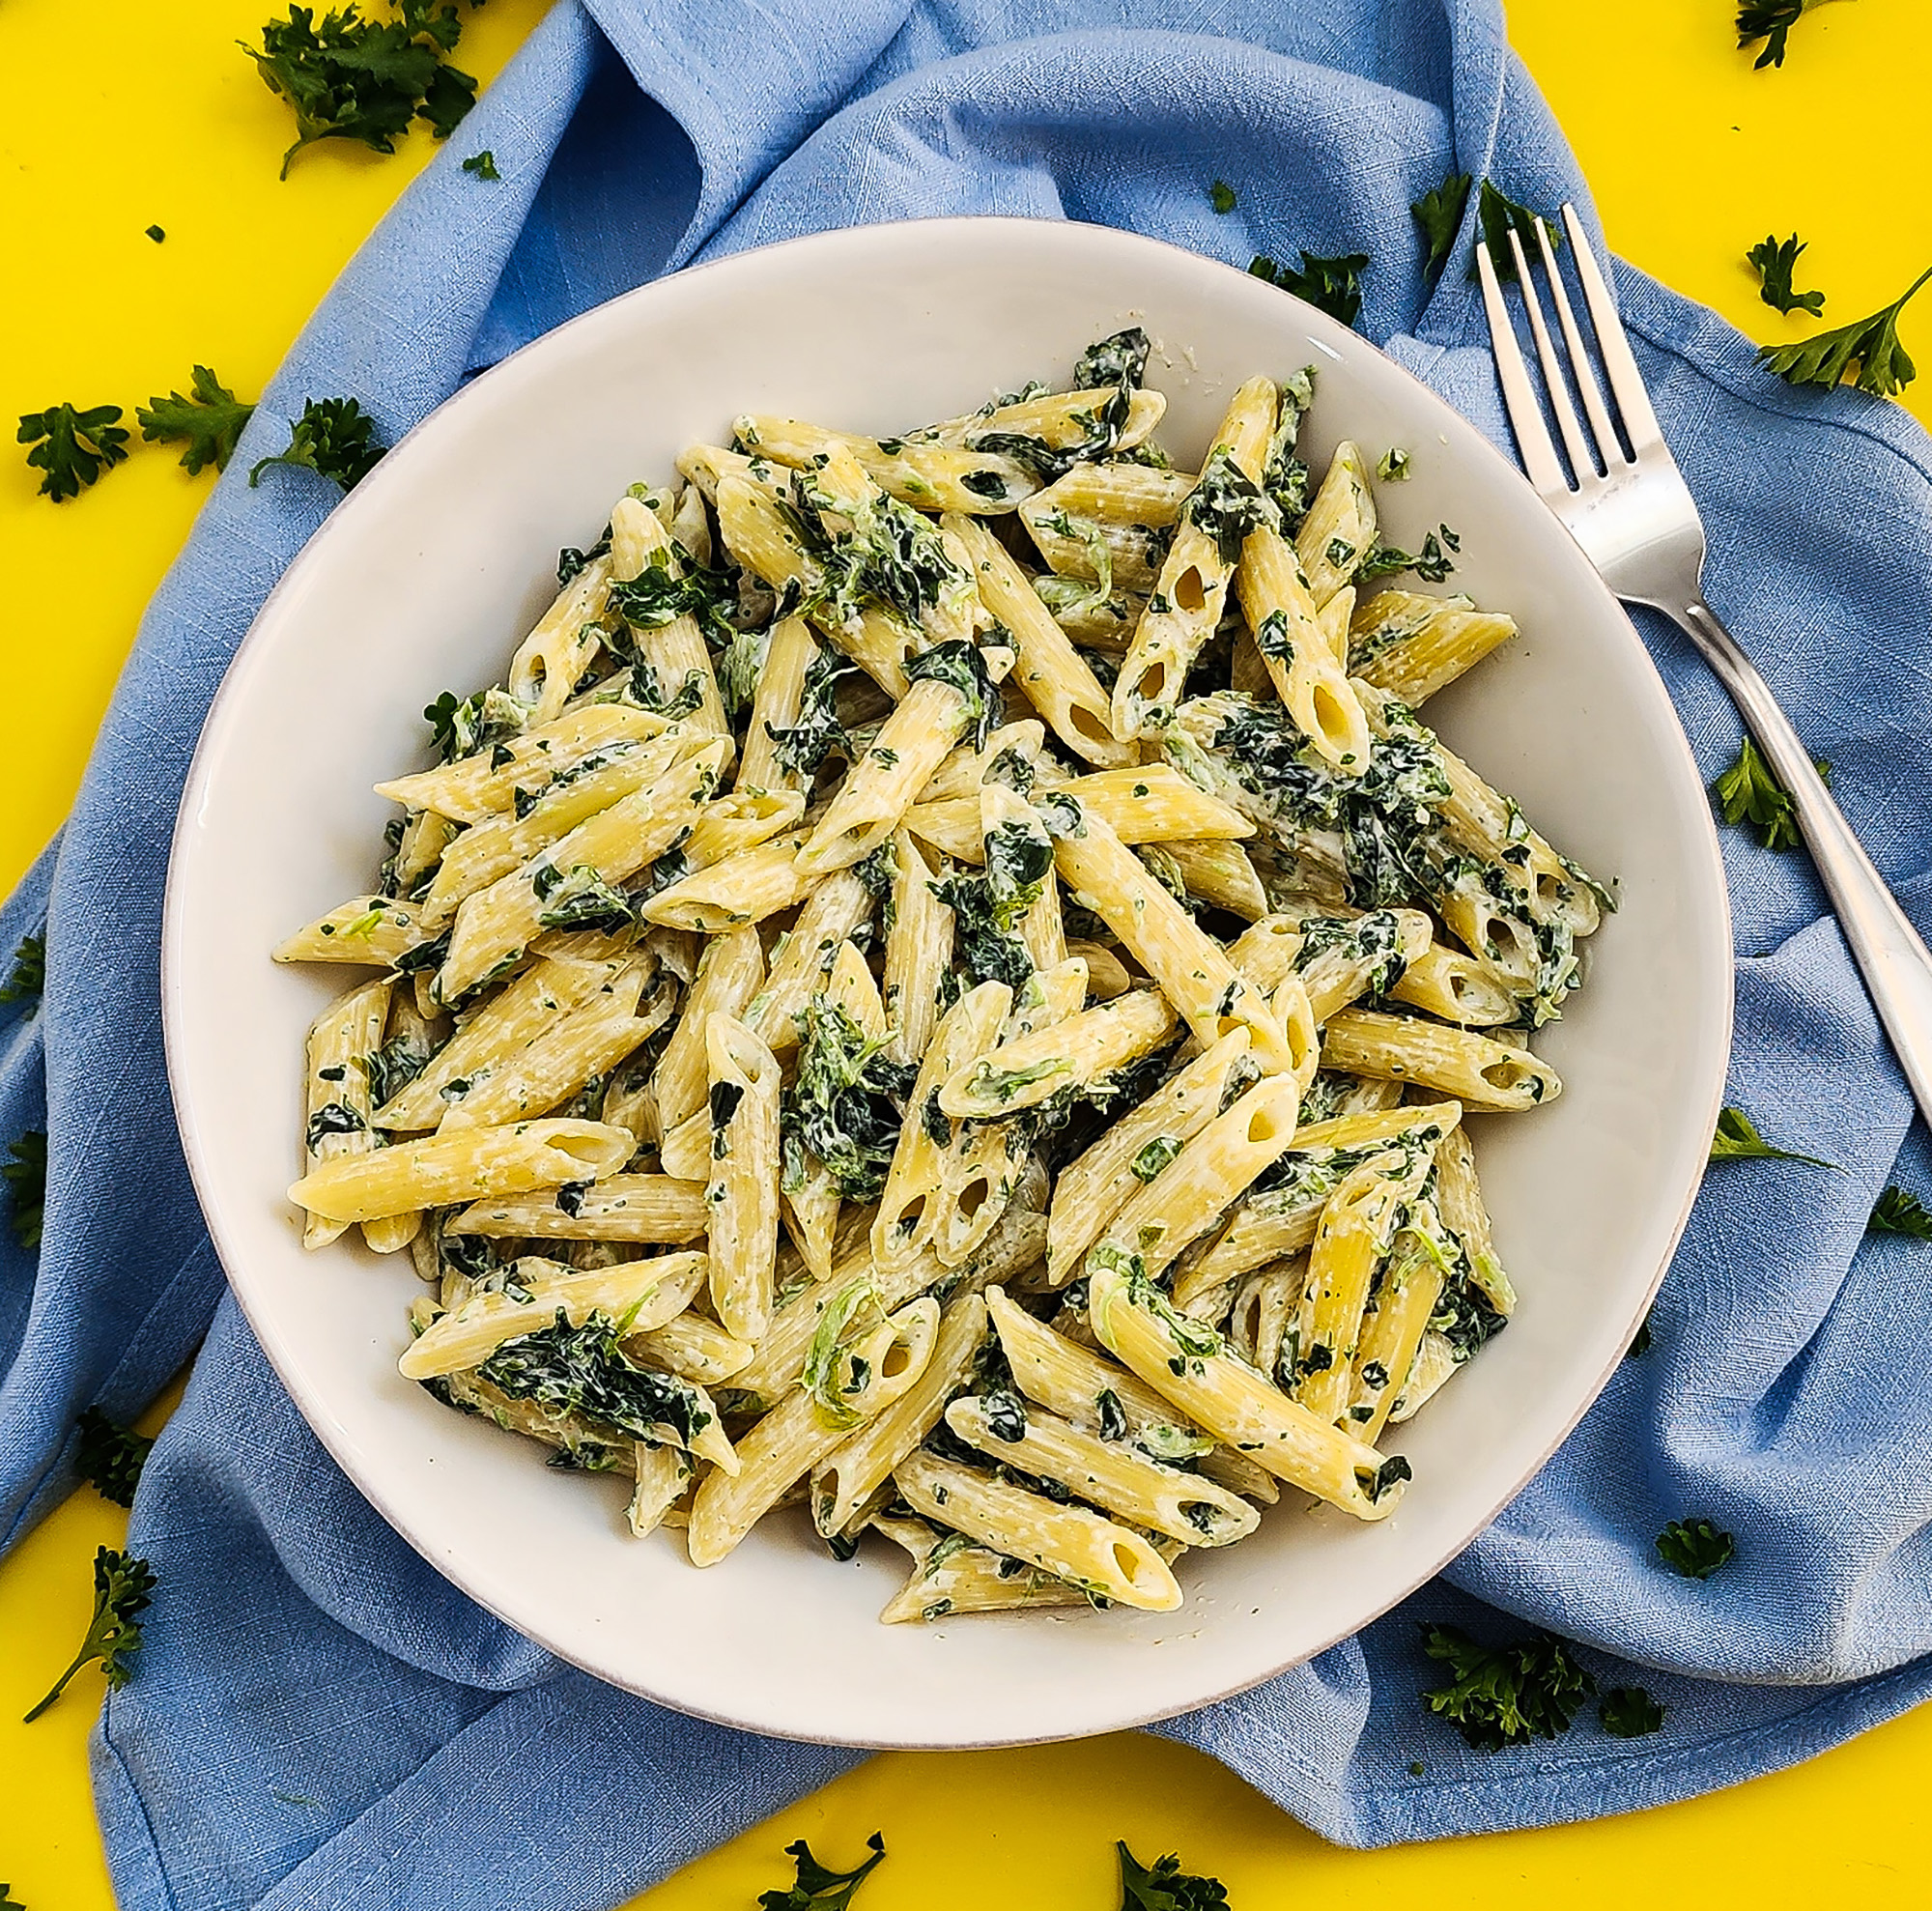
(802,747)
(962,666)
(584,1370)
(1152,1159)
(845,1105)
(1227,505)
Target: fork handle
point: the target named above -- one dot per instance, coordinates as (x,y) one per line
(1895,961)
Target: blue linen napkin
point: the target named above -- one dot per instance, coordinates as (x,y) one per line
(317,1716)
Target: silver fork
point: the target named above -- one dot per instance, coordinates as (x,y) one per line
(1636,522)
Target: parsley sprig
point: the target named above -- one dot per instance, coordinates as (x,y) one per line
(123,1588)
(72,448)
(1333,285)
(1439,217)
(26,1180)
(29,974)
(1498,215)
(1897,1212)
(1695,1547)
(1505,1695)
(1737,1139)
(1627,1711)
(1163,1886)
(335,437)
(351,76)
(1775,259)
(1750,792)
(111,1458)
(1871,344)
(1771,21)
(208,421)
(817,1888)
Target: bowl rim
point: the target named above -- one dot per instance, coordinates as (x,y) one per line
(1466,441)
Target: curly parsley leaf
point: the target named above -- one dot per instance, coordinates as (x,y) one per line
(1627,1711)
(122,1587)
(1695,1547)
(335,437)
(816,1887)
(350,76)
(1498,215)
(1333,285)
(1737,1139)
(111,1458)
(1439,217)
(1872,344)
(1771,21)
(72,448)
(208,420)
(1221,196)
(1163,1886)
(26,1180)
(1899,1212)
(1505,1695)
(30,970)
(1775,259)
(1750,792)
(483,164)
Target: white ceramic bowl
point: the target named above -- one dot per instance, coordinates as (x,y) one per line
(425,579)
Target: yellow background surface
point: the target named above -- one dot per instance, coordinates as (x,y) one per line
(121,115)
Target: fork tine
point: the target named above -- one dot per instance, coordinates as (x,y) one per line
(1555,382)
(1626,380)
(1519,400)
(1580,368)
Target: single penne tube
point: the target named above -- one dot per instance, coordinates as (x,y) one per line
(1103,1559)
(706,466)
(932,478)
(948,1578)
(626,1208)
(1212,1171)
(759,535)
(1186,1363)
(1132,1152)
(784,1446)
(374,931)
(693,1348)
(1050,673)
(741,890)
(1351,1242)
(638,1296)
(1107,976)
(476,787)
(585,1044)
(1339,531)
(728,975)
(1480,1072)
(1283,1220)
(1073,1054)
(1455,986)
(1333,617)
(1265,1305)
(1043,927)
(492,848)
(1105,1473)
(1219,874)
(1189,966)
(673,647)
(880,788)
(497,924)
(774,707)
(1058,419)
(554,655)
(742,1190)
(425,837)
(844,1481)
(1313,686)
(1154,803)
(471,1164)
(1118,494)
(1096,620)
(494,1037)
(1266,951)
(1459,1198)
(1188,596)
(909,1207)
(919,950)
(342,1045)
(664,1472)
(1412,645)
(1391,1335)
(1021,743)
(830,918)
(727,826)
